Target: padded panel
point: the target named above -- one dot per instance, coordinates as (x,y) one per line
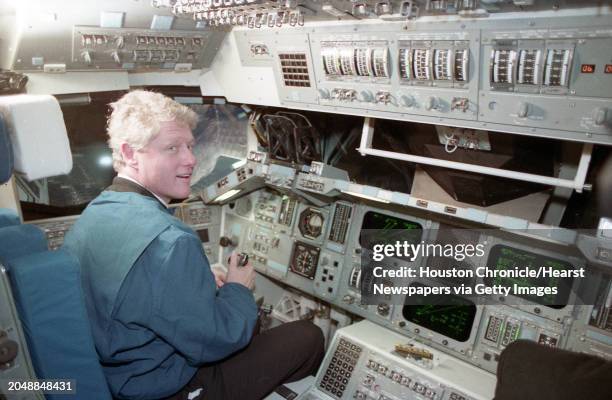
(8,217)
(6,154)
(47,290)
(40,142)
(19,240)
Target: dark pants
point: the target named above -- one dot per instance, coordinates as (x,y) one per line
(283,354)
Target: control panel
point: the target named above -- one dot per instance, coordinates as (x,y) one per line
(544,76)
(55,229)
(243,180)
(95,48)
(205,221)
(104,48)
(387,68)
(311,231)
(319,250)
(365,361)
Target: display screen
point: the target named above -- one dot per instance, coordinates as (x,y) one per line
(448,315)
(504,257)
(203,234)
(386,229)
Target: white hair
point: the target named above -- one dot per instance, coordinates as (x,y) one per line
(136,120)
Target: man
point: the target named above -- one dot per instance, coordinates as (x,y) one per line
(161,325)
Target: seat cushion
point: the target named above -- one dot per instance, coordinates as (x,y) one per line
(47,290)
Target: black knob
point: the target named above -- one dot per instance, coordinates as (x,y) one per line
(225,241)
(8,350)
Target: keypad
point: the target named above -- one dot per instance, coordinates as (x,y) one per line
(340,369)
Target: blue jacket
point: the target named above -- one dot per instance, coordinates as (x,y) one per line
(152,301)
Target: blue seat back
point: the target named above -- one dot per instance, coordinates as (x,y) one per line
(7,217)
(19,240)
(47,291)
(6,153)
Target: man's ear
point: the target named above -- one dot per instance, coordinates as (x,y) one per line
(129,155)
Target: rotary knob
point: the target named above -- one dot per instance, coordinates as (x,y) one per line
(8,349)
(383,309)
(225,241)
(523,110)
(324,94)
(365,96)
(431,103)
(600,116)
(407,101)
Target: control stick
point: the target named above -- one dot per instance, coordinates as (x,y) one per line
(243,259)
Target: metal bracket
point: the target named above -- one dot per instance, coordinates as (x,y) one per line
(578,183)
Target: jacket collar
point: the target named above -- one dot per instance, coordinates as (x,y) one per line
(125,185)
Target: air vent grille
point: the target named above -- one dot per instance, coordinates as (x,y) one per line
(295,69)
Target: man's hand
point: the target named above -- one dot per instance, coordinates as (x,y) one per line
(220,276)
(242,275)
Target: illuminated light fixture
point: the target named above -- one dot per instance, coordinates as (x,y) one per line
(162,22)
(239,163)
(227,195)
(188,100)
(111,19)
(105,161)
(365,196)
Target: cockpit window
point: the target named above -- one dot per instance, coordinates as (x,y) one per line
(221,130)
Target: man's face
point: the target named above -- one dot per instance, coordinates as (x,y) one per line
(165,164)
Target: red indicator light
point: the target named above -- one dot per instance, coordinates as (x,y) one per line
(587,68)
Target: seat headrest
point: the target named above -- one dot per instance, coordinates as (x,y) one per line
(18,240)
(39,139)
(6,154)
(8,217)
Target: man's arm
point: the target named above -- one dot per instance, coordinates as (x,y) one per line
(189,313)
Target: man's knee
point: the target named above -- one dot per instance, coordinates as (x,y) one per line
(312,338)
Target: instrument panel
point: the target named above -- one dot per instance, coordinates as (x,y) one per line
(543,76)
(55,229)
(323,250)
(364,363)
(367,61)
(531,66)
(205,221)
(444,62)
(121,49)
